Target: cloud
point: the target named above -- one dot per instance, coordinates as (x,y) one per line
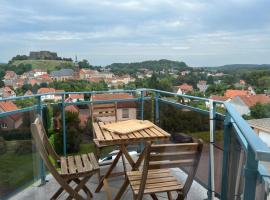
(201,32)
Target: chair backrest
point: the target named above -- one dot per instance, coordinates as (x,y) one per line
(99,111)
(42,142)
(159,156)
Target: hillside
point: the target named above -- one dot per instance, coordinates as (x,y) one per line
(155,65)
(45,64)
(240,67)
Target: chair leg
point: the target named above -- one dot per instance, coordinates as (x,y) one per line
(107,189)
(85,188)
(80,186)
(154,197)
(58,192)
(169,194)
(122,190)
(180,196)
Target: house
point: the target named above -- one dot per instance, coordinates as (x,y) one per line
(62,74)
(12,121)
(28,93)
(38,72)
(262,128)
(240,84)
(10,78)
(233,93)
(87,73)
(44,78)
(184,89)
(184,73)
(243,103)
(7,92)
(125,110)
(202,85)
(47,90)
(76,97)
(217,98)
(251,90)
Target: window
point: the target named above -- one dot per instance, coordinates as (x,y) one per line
(125,113)
(3,125)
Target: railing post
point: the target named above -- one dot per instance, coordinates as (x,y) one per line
(42,175)
(64,126)
(211,168)
(251,172)
(224,182)
(142,104)
(156,108)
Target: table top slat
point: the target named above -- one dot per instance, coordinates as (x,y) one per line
(105,137)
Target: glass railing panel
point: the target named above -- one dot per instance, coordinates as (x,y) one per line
(17,154)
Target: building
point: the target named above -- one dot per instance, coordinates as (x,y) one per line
(43,55)
(125,110)
(38,72)
(202,86)
(184,73)
(262,128)
(243,103)
(62,74)
(76,97)
(87,73)
(12,121)
(10,78)
(184,89)
(217,98)
(234,93)
(7,92)
(28,93)
(46,90)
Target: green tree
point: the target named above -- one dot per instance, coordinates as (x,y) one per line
(260,111)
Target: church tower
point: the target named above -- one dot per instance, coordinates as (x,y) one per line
(76,69)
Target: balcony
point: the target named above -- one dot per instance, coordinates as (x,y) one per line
(232,166)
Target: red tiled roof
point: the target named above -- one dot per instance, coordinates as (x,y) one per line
(76,96)
(45,90)
(8,106)
(252,100)
(185,87)
(44,76)
(219,98)
(33,82)
(234,93)
(100,97)
(95,80)
(72,108)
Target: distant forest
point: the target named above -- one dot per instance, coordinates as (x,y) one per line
(155,65)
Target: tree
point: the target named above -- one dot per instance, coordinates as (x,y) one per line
(2,84)
(84,64)
(260,111)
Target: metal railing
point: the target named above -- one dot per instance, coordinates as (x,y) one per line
(235,127)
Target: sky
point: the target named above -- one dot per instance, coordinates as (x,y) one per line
(200,33)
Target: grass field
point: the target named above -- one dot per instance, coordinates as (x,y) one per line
(43,64)
(15,170)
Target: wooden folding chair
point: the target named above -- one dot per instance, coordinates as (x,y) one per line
(104,113)
(79,168)
(155,176)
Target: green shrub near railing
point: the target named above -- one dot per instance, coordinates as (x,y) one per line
(16,134)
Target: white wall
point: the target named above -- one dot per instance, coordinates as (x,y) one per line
(265,137)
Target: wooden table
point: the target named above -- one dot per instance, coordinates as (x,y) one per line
(104,137)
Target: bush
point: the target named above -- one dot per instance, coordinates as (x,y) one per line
(24,147)
(3,146)
(16,134)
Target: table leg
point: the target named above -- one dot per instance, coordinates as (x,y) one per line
(135,166)
(109,171)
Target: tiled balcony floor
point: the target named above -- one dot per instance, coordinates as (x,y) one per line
(197,192)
